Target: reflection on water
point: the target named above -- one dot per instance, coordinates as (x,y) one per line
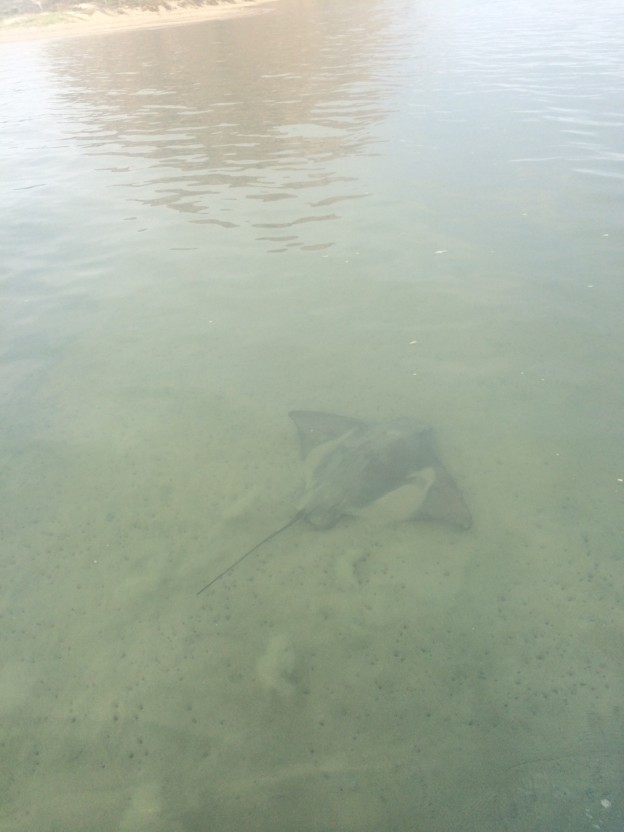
(378,209)
(217,118)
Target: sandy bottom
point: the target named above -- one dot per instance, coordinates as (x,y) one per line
(90,21)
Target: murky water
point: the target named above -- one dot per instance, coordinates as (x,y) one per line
(377,209)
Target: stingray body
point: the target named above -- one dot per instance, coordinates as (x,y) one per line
(354,466)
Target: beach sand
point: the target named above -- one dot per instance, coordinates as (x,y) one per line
(90,19)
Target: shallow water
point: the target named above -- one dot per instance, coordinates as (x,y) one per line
(377,209)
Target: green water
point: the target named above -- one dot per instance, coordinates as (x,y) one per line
(379,209)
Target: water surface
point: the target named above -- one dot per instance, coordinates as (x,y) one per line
(377,209)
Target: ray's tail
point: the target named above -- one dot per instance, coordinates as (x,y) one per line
(233,566)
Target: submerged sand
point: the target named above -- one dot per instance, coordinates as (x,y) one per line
(89,18)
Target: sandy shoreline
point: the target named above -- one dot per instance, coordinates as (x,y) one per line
(90,20)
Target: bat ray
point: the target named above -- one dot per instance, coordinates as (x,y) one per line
(353,466)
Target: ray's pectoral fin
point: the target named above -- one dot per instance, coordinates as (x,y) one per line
(444,501)
(315,428)
(404,502)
